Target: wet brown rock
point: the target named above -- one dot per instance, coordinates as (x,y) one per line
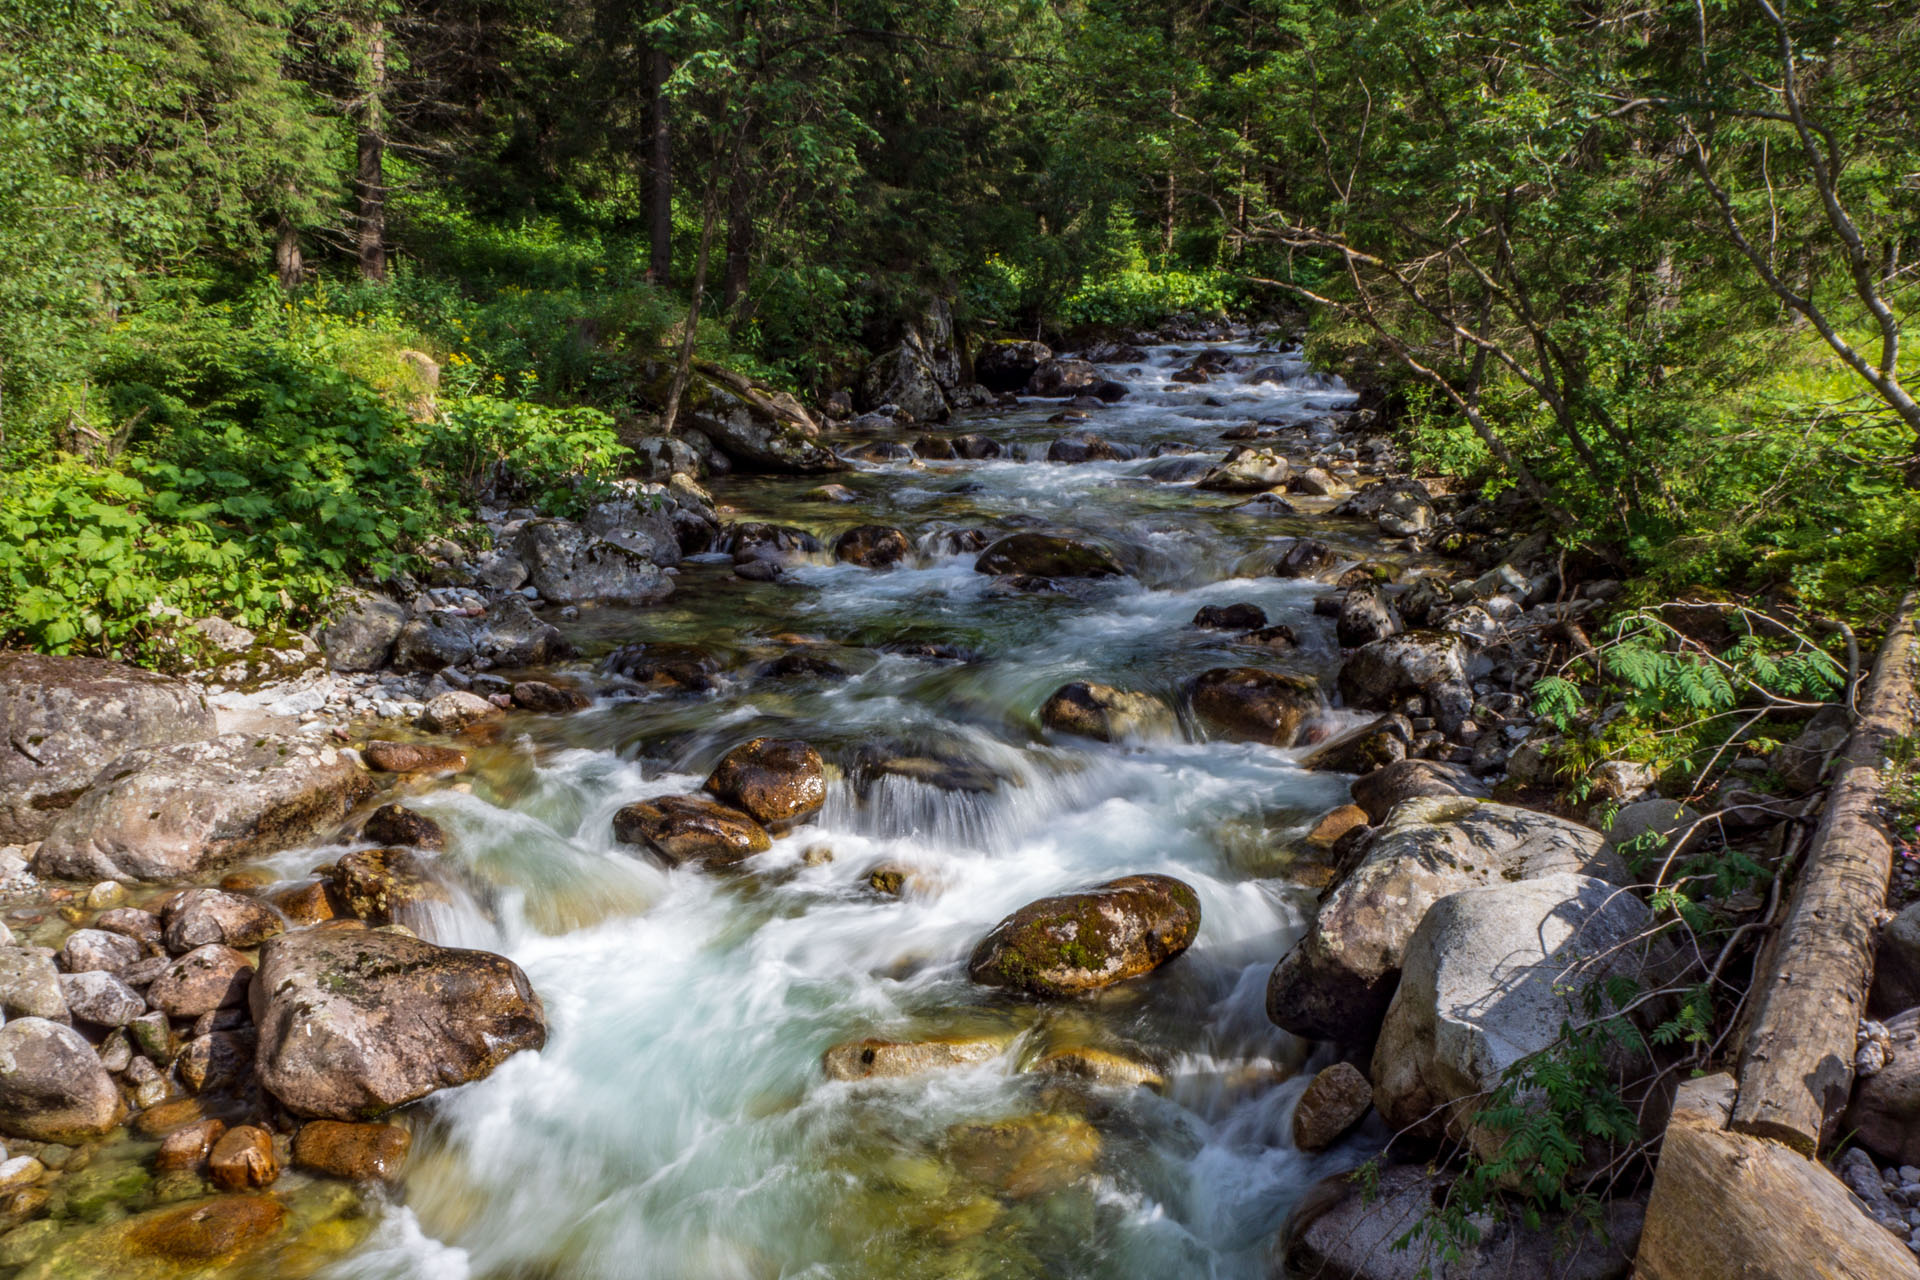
(198,917)
(243,1158)
(310,903)
(891,1059)
(772,780)
(872,546)
(1380,791)
(1105,713)
(206,1232)
(1362,750)
(1335,823)
(1081,942)
(359,1152)
(189,1146)
(143,927)
(394,824)
(157,1121)
(216,1060)
(378,885)
(206,978)
(413,757)
(1335,1101)
(1231,617)
(1305,558)
(1251,705)
(539,696)
(354,1022)
(683,829)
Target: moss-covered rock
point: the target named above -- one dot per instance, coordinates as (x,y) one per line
(1044,555)
(1081,942)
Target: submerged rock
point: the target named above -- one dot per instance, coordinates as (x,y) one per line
(1081,942)
(1100,1066)
(893,1059)
(683,829)
(64,719)
(166,813)
(359,1152)
(53,1087)
(772,779)
(1046,556)
(1104,713)
(1026,1157)
(1338,980)
(413,757)
(872,546)
(1251,705)
(355,1022)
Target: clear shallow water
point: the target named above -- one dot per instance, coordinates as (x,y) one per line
(678,1122)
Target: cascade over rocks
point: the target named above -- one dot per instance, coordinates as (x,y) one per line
(872,546)
(380,885)
(1105,713)
(165,813)
(1491,976)
(64,719)
(772,780)
(683,829)
(1250,705)
(355,1022)
(1339,978)
(1081,942)
(1046,556)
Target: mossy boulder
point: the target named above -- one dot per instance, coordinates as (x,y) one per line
(1044,555)
(1082,942)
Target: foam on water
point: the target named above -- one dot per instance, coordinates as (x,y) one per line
(678,1123)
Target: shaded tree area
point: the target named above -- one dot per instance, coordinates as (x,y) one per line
(1645,265)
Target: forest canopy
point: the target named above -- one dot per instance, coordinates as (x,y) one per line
(1643,266)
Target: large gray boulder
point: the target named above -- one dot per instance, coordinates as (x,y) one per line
(165,813)
(509,634)
(1340,1231)
(569,564)
(642,523)
(1488,979)
(1884,1116)
(1008,366)
(52,1085)
(356,1022)
(360,631)
(63,719)
(1377,674)
(756,429)
(1247,470)
(1338,980)
(30,985)
(1061,377)
(904,376)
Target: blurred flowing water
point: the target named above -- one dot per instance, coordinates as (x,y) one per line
(678,1123)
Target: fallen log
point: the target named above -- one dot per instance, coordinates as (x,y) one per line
(1796,1065)
(1727,1206)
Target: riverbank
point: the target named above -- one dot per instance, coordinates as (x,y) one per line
(1194,623)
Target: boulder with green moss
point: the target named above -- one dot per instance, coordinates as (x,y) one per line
(1082,942)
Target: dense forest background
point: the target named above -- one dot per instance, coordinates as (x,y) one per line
(1643,265)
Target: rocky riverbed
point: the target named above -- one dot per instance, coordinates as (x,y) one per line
(1046,841)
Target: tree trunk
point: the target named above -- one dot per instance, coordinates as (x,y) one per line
(739,243)
(288,262)
(369,183)
(684,366)
(659,170)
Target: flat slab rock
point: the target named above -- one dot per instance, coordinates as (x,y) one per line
(165,813)
(63,719)
(354,1022)
(1337,982)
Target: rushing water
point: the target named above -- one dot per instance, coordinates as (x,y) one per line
(678,1123)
